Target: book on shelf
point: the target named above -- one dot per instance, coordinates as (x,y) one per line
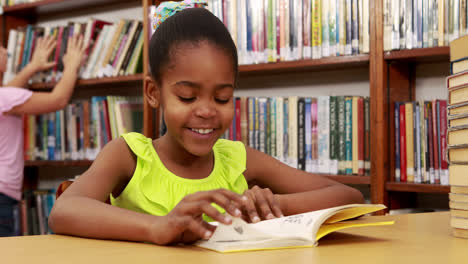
(100,38)
(300,230)
(271,31)
(457,136)
(81,129)
(312,134)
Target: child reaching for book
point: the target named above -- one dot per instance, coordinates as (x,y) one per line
(167,190)
(15,102)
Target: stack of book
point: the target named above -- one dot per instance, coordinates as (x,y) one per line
(457,84)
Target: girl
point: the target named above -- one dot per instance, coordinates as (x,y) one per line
(165,190)
(14,102)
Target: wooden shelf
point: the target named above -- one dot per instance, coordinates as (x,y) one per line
(328,63)
(349,179)
(58,163)
(436,54)
(416,187)
(117,81)
(56,6)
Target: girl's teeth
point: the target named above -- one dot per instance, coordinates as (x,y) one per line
(202,131)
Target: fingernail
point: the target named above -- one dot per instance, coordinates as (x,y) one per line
(237,212)
(227,219)
(207,234)
(281,215)
(270,216)
(244,198)
(256,219)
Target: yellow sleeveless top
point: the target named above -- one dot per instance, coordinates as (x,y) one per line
(153,189)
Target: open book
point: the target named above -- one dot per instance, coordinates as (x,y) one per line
(301,230)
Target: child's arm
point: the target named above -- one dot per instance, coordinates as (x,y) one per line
(81,210)
(296,191)
(44,102)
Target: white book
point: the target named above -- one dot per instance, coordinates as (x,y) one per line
(12,43)
(130,36)
(307,29)
(95,53)
(342,26)
(365,27)
(409,24)
(325,29)
(332,25)
(300,230)
(395,11)
(323,123)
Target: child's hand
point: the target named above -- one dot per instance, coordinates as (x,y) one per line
(75,53)
(261,205)
(40,57)
(185,223)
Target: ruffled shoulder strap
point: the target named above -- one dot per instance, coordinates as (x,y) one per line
(140,145)
(232,156)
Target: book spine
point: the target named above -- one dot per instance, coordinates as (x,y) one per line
(355,128)
(293,132)
(409,142)
(314,140)
(316,29)
(262,124)
(286,131)
(403,166)
(349,36)
(444,178)
(325,29)
(273,118)
(279,128)
(301,133)
(333,135)
(430,142)
(308,135)
(323,118)
(355,28)
(349,134)
(361,136)
(341,136)
(267,116)
(417,158)
(367,140)
(397,141)
(435,143)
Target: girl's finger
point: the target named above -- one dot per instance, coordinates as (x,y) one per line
(274,205)
(199,229)
(262,204)
(209,210)
(250,209)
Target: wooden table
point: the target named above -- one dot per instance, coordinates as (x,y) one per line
(415,238)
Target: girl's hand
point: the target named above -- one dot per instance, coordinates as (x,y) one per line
(40,57)
(260,205)
(75,53)
(185,223)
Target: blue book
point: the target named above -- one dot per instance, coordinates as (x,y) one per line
(58,136)
(285,130)
(50,136)
(308,135)
(397,141)
(249,32)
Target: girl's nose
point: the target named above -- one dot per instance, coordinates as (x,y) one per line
(205,110)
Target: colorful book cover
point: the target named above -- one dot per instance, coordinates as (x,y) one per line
(397,141)
(341,135)
(323,117)
(349,134)
(314,140)
(333,135)
(308,135)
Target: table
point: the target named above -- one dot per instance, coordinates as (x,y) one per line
(414,238)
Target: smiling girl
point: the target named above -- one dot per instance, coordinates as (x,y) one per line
(167,190)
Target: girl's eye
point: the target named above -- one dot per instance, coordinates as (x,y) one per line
(186,99)
(222,101)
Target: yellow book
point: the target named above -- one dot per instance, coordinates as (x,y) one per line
(459,189)
(457,109)
(409,142)
(460,121)
(301,230)
(458,154)
(458,232)
(458,197)
(458,222)
(458,94)
(457,174)
(457,135)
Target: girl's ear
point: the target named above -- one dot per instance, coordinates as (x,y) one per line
(152,92)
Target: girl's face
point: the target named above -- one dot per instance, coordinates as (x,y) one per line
(196,96)
(3,59)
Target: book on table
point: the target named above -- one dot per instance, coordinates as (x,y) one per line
(300,230)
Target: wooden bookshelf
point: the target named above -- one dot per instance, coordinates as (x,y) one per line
(416,187)
(436,54)
(58,163)
(118,81)
(56,6)
(328,63)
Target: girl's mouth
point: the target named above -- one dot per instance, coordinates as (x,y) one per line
(202,131)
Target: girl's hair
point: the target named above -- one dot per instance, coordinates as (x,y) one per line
(190,26)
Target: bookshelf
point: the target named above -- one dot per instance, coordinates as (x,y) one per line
(391,78)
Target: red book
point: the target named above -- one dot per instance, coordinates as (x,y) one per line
(361,136)
(57,48)
(238,135)
(106,120)
(435,142)
(430,141)
(402,143)
(443,140)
